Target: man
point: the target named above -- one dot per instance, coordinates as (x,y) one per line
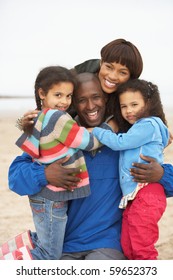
(94,223)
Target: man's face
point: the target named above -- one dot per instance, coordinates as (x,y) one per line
(90,103)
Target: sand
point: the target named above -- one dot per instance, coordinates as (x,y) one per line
(15,214)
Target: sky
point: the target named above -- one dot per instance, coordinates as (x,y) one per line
(38,33)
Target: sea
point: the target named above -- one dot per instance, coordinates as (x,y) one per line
(16,104)
(24,104)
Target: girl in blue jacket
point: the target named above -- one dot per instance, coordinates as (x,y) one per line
(140,116)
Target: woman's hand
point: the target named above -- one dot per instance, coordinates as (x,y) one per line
(170,138)
(29,116)
(113,125)
(147,172)
(59,176)
(27,121)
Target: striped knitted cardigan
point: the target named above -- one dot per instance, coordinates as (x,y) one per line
(56,135)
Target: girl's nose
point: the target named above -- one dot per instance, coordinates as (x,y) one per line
(129,109)
(64,100)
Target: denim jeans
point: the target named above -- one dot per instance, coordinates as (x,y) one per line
(50,218)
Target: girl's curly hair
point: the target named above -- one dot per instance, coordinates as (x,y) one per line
(151,96)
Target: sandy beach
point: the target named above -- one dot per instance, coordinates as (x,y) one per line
(15,214)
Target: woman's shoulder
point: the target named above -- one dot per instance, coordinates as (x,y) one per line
(91,66)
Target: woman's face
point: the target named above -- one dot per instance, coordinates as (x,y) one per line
(111,75)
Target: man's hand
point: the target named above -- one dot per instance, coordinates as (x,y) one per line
(59,176)
(147,172)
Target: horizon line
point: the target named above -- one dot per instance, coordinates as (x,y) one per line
(16,96)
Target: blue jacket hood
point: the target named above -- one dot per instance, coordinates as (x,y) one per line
(163,130)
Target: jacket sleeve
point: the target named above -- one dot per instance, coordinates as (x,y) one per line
(26,177)
(167,179)
(70,134)
(91,66)
(133,138)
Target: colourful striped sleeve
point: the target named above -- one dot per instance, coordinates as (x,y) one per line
(71,134)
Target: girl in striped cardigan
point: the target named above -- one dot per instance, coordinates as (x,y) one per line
(55,135)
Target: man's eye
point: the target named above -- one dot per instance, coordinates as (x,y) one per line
(81,101)
(97,97)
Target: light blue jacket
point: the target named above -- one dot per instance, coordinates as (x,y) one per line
(148,136)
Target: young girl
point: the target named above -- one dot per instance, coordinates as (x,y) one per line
(55,135)
(141,117)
